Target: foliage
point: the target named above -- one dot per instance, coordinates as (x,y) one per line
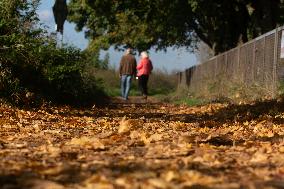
(162,83)
(32,67)
(123,23)
(92,58)
(69,78)
(19,45)
(105,62)
(161,24)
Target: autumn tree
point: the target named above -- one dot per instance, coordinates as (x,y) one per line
(146,24)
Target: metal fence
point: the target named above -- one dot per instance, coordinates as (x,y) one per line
(253,70)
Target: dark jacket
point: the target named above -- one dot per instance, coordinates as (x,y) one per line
(127,65)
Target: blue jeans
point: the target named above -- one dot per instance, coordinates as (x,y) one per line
(125,85)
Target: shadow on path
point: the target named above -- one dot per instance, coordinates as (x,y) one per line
(267,110)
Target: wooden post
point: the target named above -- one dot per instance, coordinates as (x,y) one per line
(274,92)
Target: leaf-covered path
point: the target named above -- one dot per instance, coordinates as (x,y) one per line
(143,145)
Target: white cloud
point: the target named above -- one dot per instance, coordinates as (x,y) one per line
(45,15)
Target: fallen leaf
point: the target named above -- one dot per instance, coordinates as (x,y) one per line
(258,157)
(124,126)
(42,184)
(170,176)
(87,142)
(158,183)
(97,182)
(281,149)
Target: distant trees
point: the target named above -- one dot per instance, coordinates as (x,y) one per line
(143,24)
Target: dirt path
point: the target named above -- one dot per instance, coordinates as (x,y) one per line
(134,100)
(143,145)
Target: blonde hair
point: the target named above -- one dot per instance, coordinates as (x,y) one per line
(128,51)
(144,54)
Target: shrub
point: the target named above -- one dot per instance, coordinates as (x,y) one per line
(32,64)
(161,82)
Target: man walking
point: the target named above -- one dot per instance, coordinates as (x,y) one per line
(127,70)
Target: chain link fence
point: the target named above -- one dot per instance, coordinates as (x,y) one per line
(253,70)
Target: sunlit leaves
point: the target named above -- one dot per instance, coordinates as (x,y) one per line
(142,146)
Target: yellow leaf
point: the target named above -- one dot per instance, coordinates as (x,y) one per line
(158,183)
(98,182)
(155,137)
(87,142)
(53,170)
(144,138)
(42,184)
(123,182)
(281,149)
(124,126)
(135,135)
(170,176)
(246,123)
(258,157)
(270,134)
(53,151)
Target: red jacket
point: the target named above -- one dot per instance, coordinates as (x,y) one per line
(144,67)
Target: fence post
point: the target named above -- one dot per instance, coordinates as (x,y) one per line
(275,63)
(239,72)
(253,63)
(263,64)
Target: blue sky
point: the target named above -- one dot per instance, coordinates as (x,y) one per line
(172,60)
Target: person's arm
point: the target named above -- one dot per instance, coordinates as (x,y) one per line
(120,66)
(140,65)
(151,65)
(134,67)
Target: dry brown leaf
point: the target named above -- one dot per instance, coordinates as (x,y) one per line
(259,157)
(281,149)
(157,183)
(155,137)
(124,182)
(195,177)
(170,176)
(124,126)
(42,184)
(97,182)
(53,151)
(135,134)
(87,142)
(144,138)
(53,170)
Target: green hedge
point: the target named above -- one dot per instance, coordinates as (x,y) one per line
(33,69)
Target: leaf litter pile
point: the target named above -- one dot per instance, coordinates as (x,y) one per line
(135,146)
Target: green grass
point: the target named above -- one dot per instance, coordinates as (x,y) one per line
(115,91)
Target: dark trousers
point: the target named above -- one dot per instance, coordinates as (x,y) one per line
(142,84)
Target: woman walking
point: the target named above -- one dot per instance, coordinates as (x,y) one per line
(144,70)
